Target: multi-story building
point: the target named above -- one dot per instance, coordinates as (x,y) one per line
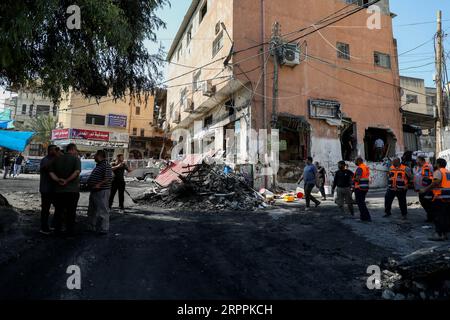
(335,92)
(118,126)
(25,106)
(418,105)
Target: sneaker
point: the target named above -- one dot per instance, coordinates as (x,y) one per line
(307,209)
(318,203)
(121,211)
(45,232)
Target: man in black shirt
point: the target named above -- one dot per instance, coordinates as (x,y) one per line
(6,165)
(118,183)
(343,185)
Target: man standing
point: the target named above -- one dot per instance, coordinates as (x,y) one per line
(361,181)
(6,165)
(65,171)
(423,177)
(399,176)
(309,176)
(440,188)
(118,184)
(343,185)
(379,149)
(18,165)
(47,187)
(99,183)
(321,178)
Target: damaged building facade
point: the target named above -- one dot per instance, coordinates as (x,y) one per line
(332,95)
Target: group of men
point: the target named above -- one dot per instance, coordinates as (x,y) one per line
(431,183)
(12,166)
(60,186)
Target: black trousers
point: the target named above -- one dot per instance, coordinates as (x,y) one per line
(389,198)
(47,199)
(427,205)
(66,210)
(322,190)
(441,215)
(360,197)
(308,196)
(117,186)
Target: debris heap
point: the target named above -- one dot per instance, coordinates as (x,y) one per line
(424,274)
(205,187)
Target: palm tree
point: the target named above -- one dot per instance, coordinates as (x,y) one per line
(42,125)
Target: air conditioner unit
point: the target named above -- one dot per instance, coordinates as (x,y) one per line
(291,54)
(208,88)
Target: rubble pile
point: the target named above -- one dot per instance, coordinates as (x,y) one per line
(424,274)
(205,187)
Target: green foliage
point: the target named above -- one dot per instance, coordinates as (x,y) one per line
(106,55)
(42,125)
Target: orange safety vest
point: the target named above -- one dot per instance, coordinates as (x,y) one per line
(397,178)
(443,191)
(427,176)
(363,183)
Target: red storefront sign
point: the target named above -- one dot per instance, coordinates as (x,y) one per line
(60,134)
(83,134)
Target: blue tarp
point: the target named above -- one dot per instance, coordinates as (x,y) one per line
(7,124)
(15,140)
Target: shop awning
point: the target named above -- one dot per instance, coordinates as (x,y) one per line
(15,140)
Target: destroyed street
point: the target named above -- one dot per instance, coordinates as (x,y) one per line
(279,252)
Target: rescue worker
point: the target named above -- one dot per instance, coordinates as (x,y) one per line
(361,185)
(399,176)
(440,188)
(423,177)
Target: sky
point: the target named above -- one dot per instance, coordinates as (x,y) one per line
(408,33)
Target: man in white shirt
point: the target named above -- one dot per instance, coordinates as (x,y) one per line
(379,149)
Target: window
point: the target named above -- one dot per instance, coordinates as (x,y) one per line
(208,121)
(382,60)
(134,131)
(196,81)
(55,110)
(203,11)
(189,36)
(180,52)
(183,96)
(217,44)
(412,98)
(24,109)
(138,110)
(95,119)
(40,110)
(31,110)
(343,50)
(142,132)
(431,101)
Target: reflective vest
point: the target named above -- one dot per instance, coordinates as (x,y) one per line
(443,191)
(397,178)
(427,175)
(363,183)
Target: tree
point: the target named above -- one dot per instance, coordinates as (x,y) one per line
(96,50)
(42,125)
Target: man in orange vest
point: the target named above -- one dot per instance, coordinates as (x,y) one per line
(441,200)
(361,185)
(423,177)
(399,176)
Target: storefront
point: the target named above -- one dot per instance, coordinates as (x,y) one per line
(89,141)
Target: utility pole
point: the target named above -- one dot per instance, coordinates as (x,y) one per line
(276,49)
(439,89)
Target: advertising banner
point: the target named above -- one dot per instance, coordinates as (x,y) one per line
(117,120)
(83,134)
(60,134)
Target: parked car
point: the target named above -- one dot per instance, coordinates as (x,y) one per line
(32,165)
(87,166)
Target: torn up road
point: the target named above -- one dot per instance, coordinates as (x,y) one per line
(154,253)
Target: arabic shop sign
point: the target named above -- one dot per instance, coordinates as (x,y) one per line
(117,120)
